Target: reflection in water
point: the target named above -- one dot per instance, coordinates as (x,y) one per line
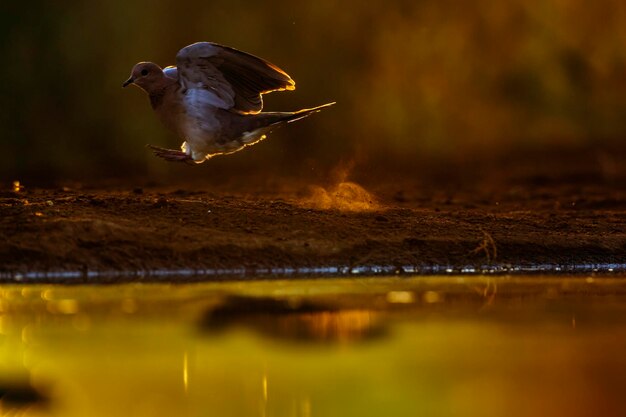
(295,348)
(294,319)
(63,306)
(400,297)
(20,398)
(19,395)
(186,371)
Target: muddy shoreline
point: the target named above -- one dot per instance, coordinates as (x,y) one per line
(494,224)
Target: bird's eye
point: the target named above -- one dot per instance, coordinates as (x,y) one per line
(144,72)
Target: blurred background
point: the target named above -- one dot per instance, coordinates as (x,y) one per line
(413,81)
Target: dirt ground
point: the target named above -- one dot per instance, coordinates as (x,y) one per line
(517,213)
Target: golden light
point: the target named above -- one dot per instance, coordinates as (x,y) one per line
(400,297)
(345,196)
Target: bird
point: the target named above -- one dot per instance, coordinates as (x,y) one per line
(213,99)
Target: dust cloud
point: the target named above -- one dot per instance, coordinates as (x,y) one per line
(342,195)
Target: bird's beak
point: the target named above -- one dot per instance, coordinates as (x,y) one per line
(128,82)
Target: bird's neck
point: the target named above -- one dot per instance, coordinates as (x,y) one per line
(156,99)
(157,91)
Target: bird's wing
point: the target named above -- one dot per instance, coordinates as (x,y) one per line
(235,78)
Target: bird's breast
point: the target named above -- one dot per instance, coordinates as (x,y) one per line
(169,109)
(190,114)
(156,98)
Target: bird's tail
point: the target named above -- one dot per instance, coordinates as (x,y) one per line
(289,117)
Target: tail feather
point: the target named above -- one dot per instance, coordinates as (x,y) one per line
(263,123)
(288,117)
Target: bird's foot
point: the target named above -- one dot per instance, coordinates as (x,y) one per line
(171,155)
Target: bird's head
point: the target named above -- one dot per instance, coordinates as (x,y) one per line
(146,75)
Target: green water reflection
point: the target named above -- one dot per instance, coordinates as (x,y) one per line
(354,347)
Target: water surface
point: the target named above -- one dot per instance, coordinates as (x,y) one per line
(439,346)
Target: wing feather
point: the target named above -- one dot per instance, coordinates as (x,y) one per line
(236,78)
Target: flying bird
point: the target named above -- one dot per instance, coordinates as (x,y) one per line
(213,99)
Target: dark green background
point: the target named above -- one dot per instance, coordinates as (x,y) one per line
(413,80)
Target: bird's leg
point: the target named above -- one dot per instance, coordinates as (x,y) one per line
(171,155)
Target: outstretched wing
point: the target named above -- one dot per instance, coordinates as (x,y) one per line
(235,78)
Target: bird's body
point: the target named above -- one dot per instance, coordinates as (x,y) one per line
(212,98)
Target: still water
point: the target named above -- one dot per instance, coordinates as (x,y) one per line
(440,346)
